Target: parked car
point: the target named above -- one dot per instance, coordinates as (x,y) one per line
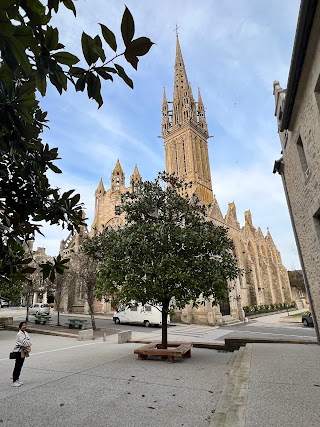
(4,302)
(307,320)
(39,308)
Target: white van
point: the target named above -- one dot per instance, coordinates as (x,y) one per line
(144,314)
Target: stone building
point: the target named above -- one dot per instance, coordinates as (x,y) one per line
(297,110)
(185,135)
(298,288)
(40,291)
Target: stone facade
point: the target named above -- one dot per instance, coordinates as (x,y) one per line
(185,135)
(41,292)
(297,110)
(298,289)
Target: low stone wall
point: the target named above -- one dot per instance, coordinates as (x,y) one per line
(124,336)
(85,334)
(6,321)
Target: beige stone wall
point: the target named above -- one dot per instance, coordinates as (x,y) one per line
(304,188)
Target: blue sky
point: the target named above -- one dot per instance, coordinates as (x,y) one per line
(233,50)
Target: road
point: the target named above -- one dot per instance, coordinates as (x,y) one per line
(272,329)
(267,326)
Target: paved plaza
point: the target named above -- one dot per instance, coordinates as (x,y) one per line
(72,383)
(102,383)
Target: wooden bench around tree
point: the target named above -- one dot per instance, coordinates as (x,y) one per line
(41,318)
(155,349)
(73,323)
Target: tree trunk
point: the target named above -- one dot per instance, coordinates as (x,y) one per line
(91,312)
(93,321)
(165,307)
(27,314)
(58,302)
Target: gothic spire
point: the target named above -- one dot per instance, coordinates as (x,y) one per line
(165,113)
(135,177)
(117,169)
(231,216)
(117,177)
(201,113)
(100,189)
(164,98)
(183,101)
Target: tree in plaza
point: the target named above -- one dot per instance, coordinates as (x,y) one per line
(59,284)
(88,279)
(32,56)
(166,252)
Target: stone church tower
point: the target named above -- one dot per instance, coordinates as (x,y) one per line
(185,134)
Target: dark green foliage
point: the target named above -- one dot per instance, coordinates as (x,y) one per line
(165,253)
(31,57)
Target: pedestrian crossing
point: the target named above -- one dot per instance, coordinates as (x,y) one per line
(274,325)
(193,330)
(195,333)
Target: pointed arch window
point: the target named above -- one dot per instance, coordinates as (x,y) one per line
(302,157)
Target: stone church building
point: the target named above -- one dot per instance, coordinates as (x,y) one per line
(185,135)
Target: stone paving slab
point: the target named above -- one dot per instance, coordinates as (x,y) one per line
(272,385)
(284,386)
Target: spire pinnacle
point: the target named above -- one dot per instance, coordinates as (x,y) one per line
(117,177)
(117,168)
(100,189)
(184,107)
(136,175)
(200,103)
(164,97)
(231,216)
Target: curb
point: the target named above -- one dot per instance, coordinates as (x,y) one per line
(43,332)
(231,408)
(232,344)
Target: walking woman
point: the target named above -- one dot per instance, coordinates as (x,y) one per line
(22,348)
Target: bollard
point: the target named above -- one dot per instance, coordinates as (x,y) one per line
(104,336)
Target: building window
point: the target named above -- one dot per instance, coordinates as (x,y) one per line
(317,92)
(302,157)
(316,221)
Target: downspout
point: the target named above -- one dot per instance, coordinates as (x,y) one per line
(279,167)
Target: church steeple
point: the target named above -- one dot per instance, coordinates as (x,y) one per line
(165,113)
(117,177)
(201,113)
(135,178)
(185,134)
(100,189)
(184,107)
